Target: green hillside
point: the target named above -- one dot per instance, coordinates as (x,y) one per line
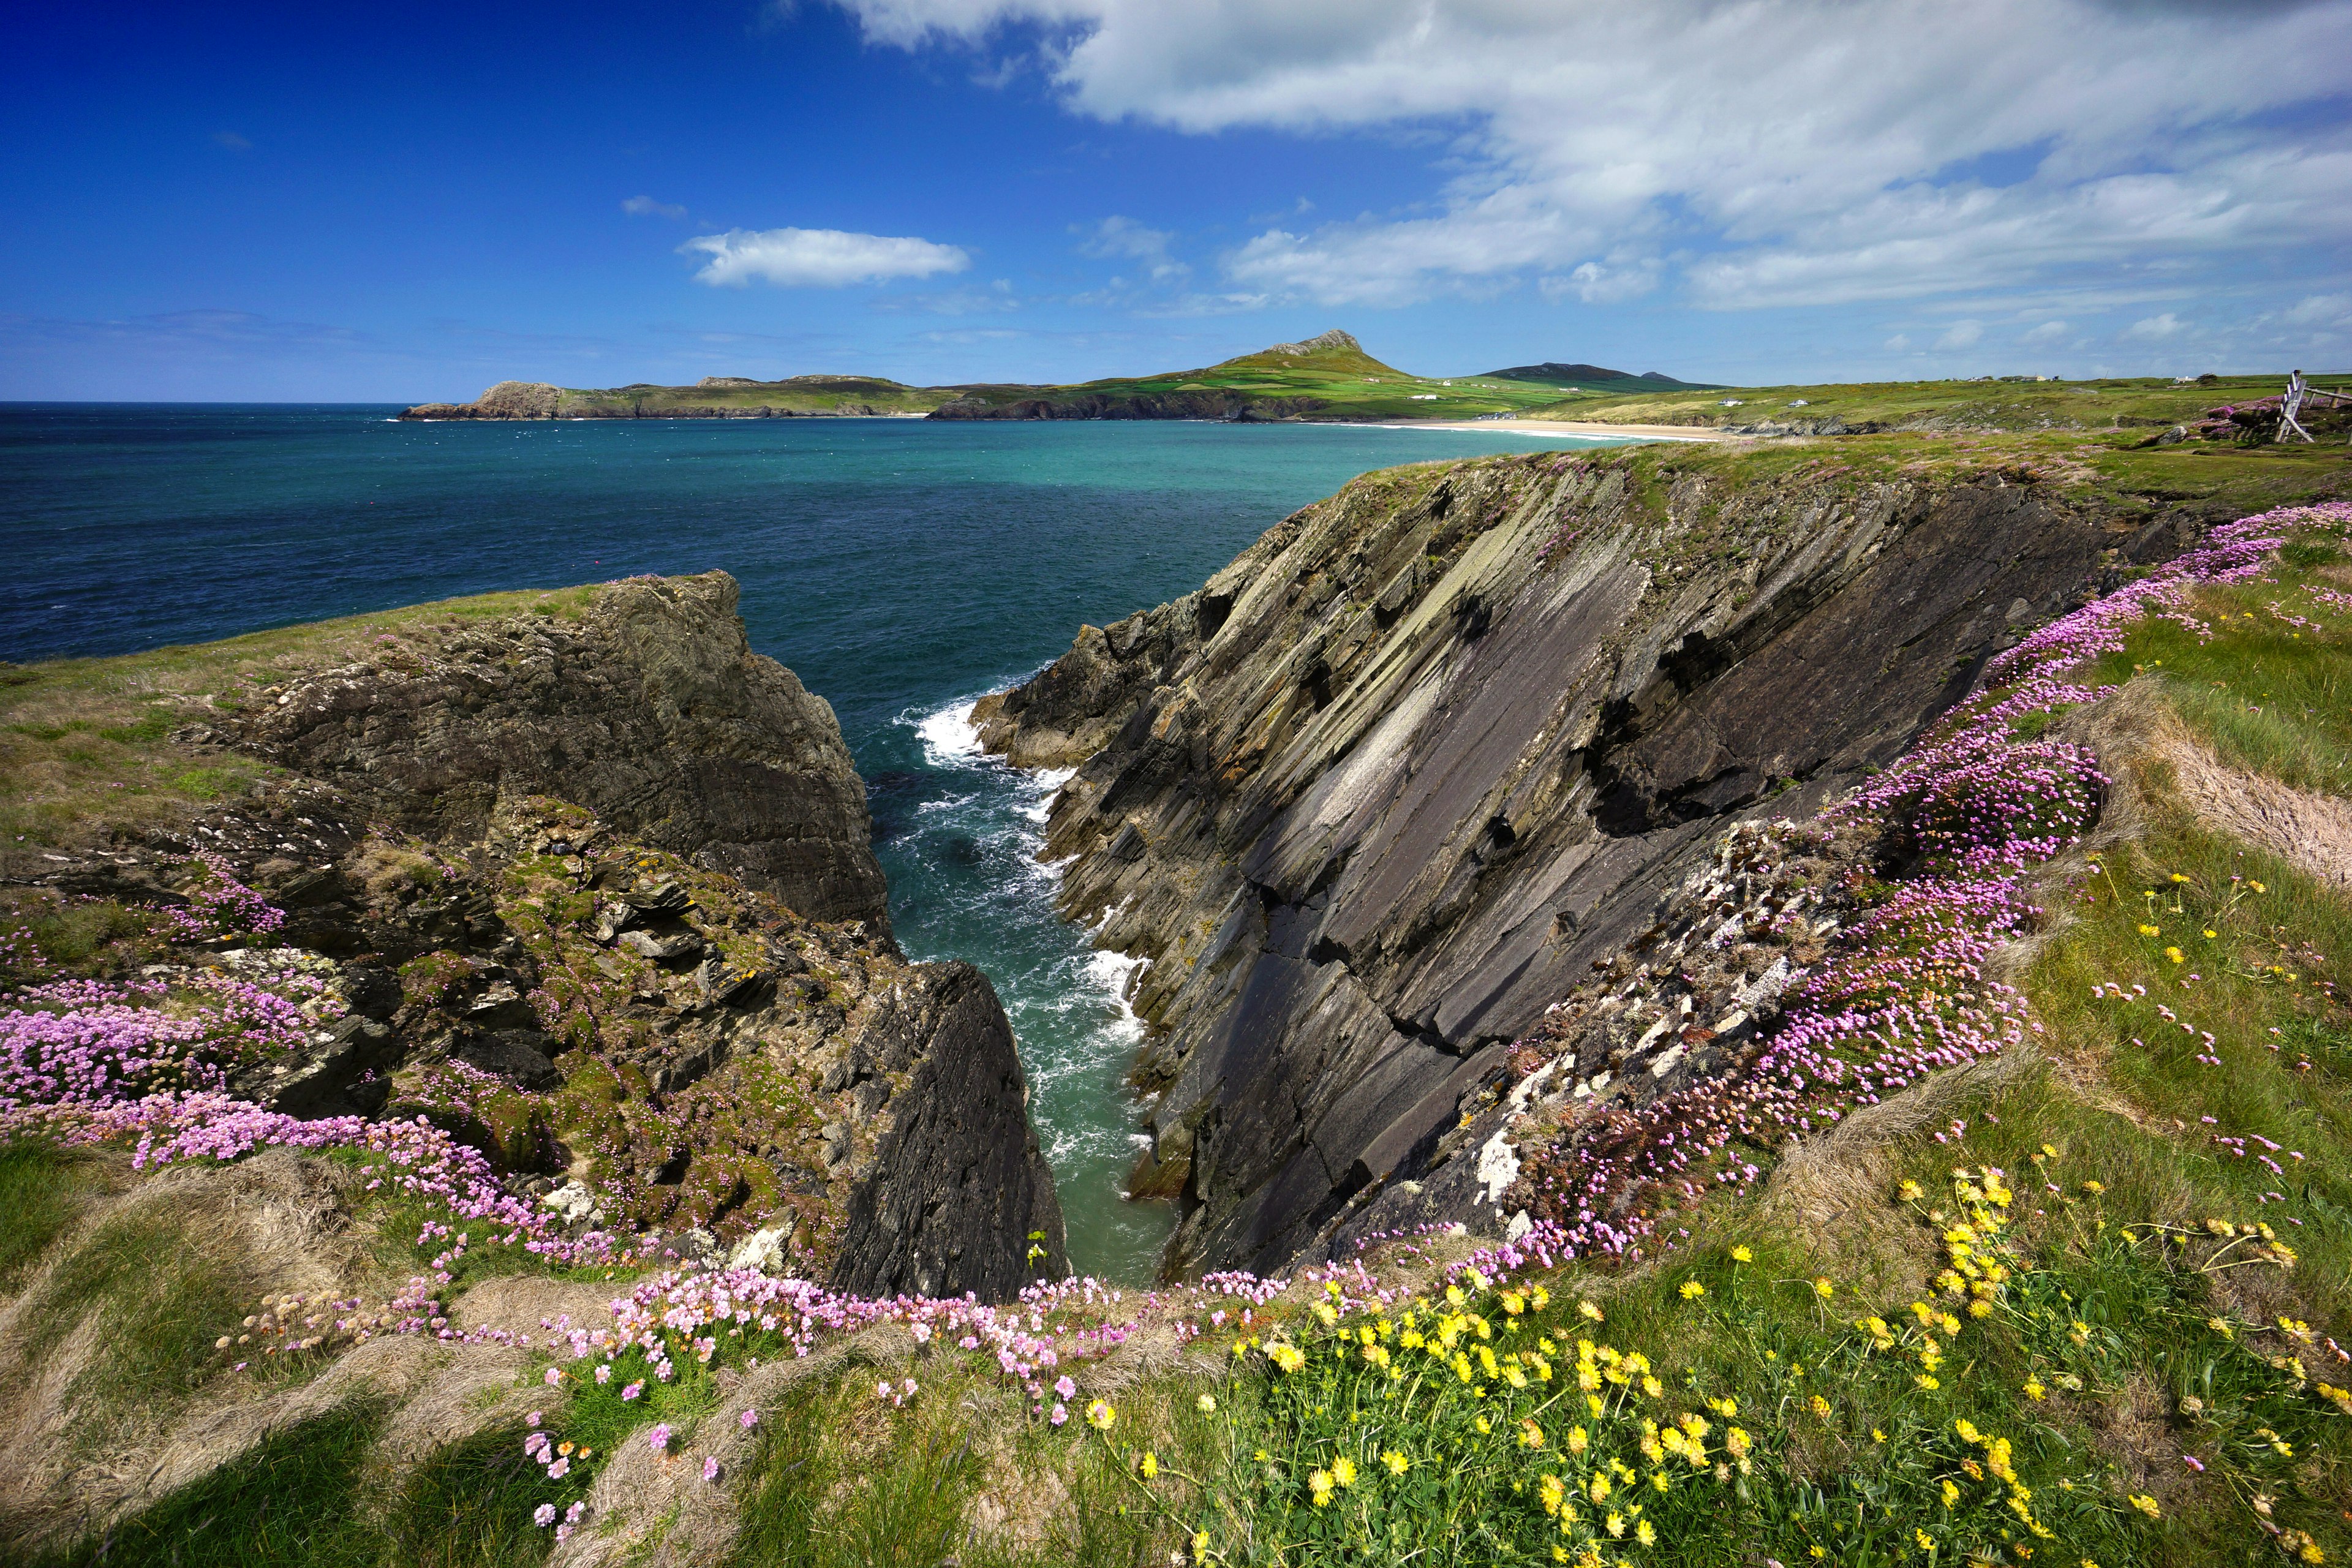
(2097,403)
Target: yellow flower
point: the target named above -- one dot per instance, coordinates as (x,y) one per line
(1927,1541)
(2145,1504)
(1514,1303)
(1100,1415)
(1201,1547)
(1741,1255)
(1396,1462)
(2147,931)
(1206,1405)
(1821,1407)
(2179,877)
(1552,1492)
(1876,1435)
(1150,1466)
(1343,1471)
(1692,1290)
(1823,1288)
(1588,1310)
(1924,1380)
(1318,1482)
(1287,1357)
(2212,933)
(1646,1534)
(2033,1389)
(2174,953)
(1911,1191)
(1951,1494)
(1530,1434)
(2258,887)
(1616,1524)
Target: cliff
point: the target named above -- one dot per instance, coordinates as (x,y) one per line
(1387,787)
(587,884)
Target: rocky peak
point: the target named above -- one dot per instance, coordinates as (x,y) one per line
(1334,338)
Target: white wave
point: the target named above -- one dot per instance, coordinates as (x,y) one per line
(949,736)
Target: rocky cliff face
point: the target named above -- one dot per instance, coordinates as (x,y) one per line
(596,896)
(1392,782)
(651,711)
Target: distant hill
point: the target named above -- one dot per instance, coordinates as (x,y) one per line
(1326,377)
(1553,373)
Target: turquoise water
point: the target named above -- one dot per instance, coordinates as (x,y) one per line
(902,568)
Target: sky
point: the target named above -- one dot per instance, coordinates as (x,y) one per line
(407,203)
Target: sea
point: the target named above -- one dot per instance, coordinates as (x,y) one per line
(902,568)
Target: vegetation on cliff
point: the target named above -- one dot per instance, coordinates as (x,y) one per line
(2079,1297)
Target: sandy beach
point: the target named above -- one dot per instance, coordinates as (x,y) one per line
(1570,427)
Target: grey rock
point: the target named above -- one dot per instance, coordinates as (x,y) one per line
(662,949)
(518,1054)
(651,711)
(1366,837)
(345,1074)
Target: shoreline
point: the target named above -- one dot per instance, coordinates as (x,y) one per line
(1566,427)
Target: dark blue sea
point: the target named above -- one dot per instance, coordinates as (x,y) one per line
(901,567)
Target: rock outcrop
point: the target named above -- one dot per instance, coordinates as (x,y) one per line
(651,711)
(1390,784)
(590,888)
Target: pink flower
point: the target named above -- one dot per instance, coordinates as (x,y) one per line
(1061,1413)
(543,1515)
(659,1439)
(710,1468)
(552,1377)
(633,1390)
(748,1419)
(1064,1387)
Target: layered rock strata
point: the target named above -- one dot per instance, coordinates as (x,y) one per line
(1398,779)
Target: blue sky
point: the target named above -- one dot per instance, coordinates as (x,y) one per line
(412,202)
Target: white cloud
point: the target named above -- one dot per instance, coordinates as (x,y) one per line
(645,206)
(818,257)
(2155,329)
(1793,155)
(1126,239)
(1961,335)
(1899,342)
(2319,311)
(2047,332)
(1598,285)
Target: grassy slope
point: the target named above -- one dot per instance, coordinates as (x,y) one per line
(2135,403)
(804,394)
(2130,1317)
(86,745)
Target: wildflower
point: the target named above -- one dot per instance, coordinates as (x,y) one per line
(543,1515)
(633,1390)
(1100,1415)
(1287,1357)
(1343,1471)
(1616,1523)
(748,1419)
(710,1468)
(1318,1482)
(1064,1387)
(1823,1288)
(2033,1389)
(1646,1534)
(1150,1465)
(1396,1462)
(1927,1541)
(2174,953)
(2147,931)
(659,1439)
(1692,1290)
(2094,1188)
(1911,1191)
(1742,1254)
(1201,1546)
(1821,1407)
(1206,1405)
(1061,1413)
(2145,1504)
(1588,1310)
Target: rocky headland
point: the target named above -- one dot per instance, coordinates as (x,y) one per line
(1385,792)
(588,887)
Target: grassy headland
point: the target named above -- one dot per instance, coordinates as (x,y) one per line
(2083,1302)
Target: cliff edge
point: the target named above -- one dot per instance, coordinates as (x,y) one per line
(1388,787)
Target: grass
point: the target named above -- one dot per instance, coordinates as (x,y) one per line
(300,1499)
(2140,405)
(41,1188)
(156,1294)
(86,746)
